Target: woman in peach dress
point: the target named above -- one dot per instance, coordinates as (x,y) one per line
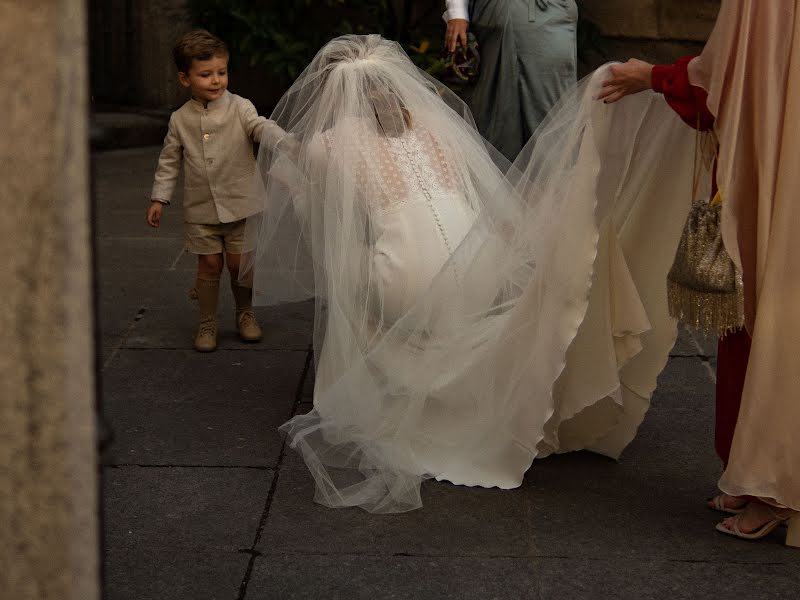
(751,71)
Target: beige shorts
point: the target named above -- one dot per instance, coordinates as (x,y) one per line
(215,239)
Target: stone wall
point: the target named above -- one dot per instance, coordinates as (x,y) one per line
(656,30)
(48,463)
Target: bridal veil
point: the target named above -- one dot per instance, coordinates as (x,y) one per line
(471,314)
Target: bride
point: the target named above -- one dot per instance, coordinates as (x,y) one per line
(472,315)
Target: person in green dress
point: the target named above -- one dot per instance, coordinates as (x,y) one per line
(528,60)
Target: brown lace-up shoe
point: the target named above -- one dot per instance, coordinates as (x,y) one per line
(206,340)
(249,329)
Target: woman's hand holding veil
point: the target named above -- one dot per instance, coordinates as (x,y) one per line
(627,78)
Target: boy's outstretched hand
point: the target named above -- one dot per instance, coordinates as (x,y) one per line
(154,213)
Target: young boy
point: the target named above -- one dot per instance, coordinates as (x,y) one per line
(212,135)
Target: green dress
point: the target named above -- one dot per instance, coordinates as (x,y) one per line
(528,60)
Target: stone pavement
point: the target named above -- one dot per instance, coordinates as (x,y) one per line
(202,501)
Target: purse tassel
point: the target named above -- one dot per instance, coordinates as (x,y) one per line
(711,313)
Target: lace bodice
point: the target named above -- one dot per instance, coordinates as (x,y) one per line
(407,187)
(391,171)
(415,167)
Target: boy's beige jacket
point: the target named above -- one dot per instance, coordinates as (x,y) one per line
(215,144)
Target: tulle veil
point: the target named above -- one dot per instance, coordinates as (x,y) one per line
(471,314)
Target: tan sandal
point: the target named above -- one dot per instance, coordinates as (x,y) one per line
(717,503)
(792,521)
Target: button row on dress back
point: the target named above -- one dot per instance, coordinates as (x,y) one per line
(413,163)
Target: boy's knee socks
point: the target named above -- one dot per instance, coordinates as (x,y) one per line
(243,295)
(207,297)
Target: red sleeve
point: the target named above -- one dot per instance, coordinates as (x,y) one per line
(687,100)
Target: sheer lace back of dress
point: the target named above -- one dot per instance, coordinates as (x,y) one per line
(391,170)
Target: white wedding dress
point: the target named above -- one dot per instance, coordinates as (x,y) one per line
(418,216)
(471,315)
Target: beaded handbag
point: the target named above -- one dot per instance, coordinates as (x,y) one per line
(704,287)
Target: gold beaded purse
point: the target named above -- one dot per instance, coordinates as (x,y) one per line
(704,288)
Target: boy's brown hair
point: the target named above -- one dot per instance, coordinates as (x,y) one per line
(198,44)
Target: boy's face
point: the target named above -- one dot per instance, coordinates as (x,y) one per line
(207,79)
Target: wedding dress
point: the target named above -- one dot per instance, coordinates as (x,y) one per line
(471,315)
(417,215)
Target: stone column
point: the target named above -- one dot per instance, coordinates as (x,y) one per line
(48,465)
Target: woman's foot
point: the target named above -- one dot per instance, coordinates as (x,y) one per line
(756,521)
(725,503)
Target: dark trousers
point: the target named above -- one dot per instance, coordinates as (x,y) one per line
(733,353)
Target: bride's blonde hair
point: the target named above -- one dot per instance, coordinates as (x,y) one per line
(391,114)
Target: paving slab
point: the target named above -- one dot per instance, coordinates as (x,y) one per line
(129,221)
(147,288)
(677,435)
(355,577)
(686,374)
(307,395)
(122,169)
(692,343)
(629,515)
(685,345)
(581,526)
(134,162)
(176,508)
(587,506)
(116,318)
(455,521)
(285,327)
(647,579)
(148,574)
(120,254)
(129,194)
(127,129)
(181,407)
